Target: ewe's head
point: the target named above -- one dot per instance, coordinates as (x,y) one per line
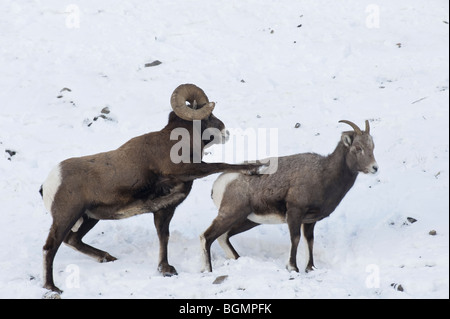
(190,103)
(360,146)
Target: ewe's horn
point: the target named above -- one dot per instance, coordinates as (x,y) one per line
(201,107)
(367,127)
(354,126)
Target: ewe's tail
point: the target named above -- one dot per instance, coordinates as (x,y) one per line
(220,186)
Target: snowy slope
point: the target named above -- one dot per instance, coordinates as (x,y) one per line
(268,64)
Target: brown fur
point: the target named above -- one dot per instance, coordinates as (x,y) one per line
(138,177)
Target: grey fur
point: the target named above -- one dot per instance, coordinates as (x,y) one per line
(305,189)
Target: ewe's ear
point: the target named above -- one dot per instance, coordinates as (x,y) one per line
(347,138)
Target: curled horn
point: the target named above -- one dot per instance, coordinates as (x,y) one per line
(354,126)
(201,107)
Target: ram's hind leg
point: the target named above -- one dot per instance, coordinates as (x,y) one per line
(76,234)
(224,240)
(58,231)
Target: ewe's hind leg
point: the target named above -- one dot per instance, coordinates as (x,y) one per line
(220,225)
(73,239)
(224,240)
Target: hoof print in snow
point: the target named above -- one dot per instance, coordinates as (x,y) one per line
(220,280)
(297,125)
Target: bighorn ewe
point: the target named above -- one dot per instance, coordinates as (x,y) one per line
(138,177)
(305,189)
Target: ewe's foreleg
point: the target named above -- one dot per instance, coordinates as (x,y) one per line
(293,219)
(308,233)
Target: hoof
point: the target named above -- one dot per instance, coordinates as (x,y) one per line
(107,258)
(167,270)
(206,269)
(51,295)
(309,269)
(53,289)
(291,268)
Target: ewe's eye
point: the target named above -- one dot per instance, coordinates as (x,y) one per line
(359,149)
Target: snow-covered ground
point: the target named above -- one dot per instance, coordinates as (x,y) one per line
(267,64)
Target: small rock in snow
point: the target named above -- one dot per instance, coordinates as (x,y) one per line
(220,280)
(397,287)
(154,63)
(11,153)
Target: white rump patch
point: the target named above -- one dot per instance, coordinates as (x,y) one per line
(51,186)
(267,218)
(220,186)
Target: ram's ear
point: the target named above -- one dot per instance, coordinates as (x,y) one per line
(347,138)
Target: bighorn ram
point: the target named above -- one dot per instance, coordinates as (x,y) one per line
(305,189)
(138,177)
